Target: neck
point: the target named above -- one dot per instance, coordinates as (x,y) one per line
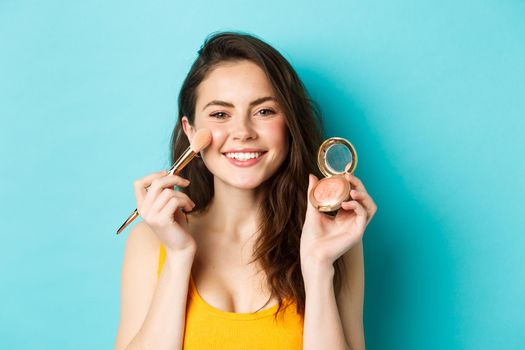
(232,212)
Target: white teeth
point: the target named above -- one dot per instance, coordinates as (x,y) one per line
(243,156)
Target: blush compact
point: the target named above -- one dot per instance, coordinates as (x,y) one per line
(336,157)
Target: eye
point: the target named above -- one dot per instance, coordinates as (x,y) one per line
(219,115)
(268,111)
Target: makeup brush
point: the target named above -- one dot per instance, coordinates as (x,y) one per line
(200,141)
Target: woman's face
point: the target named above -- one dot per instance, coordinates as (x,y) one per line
(236,102)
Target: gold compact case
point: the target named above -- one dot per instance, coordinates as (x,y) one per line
(336,157)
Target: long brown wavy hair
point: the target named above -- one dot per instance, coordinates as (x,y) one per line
(284,195)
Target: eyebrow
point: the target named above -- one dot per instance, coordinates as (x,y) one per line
(229,104)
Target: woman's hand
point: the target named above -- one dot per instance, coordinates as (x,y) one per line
(324,238)
(159,207)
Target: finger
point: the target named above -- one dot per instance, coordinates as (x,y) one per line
(161,200)
(312,180)
(174,204)
(168,181)
(355,182)
(366,200)
(158,184)
(360,211)
(188,204)
(360,187)
(185,201)
(141,184)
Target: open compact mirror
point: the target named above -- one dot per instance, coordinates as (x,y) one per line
(336,157)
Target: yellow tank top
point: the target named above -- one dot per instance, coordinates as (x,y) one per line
(209,328)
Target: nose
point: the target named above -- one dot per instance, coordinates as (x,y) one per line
(243,130)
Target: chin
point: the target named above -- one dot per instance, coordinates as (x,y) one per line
(244,184)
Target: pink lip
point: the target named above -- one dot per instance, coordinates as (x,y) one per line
(244,163)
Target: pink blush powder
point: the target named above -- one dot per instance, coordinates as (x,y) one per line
(330,191)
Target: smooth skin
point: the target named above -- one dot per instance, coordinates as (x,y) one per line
(215,247)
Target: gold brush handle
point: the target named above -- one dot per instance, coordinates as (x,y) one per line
(177,167)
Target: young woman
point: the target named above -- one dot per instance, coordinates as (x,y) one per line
(250,263)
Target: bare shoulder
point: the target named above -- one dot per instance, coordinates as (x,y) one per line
(142,236)
(142,252)
(138,281)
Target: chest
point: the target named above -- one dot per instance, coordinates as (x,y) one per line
(226,279)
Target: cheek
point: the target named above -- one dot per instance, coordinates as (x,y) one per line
(218,135)
(278,135)
(277,140)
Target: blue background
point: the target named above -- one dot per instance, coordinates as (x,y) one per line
(431,93)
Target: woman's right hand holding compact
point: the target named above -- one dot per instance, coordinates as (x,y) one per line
(159,206)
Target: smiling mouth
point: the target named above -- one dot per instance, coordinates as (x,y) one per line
(244,156)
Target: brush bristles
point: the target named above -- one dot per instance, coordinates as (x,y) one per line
(201,140)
